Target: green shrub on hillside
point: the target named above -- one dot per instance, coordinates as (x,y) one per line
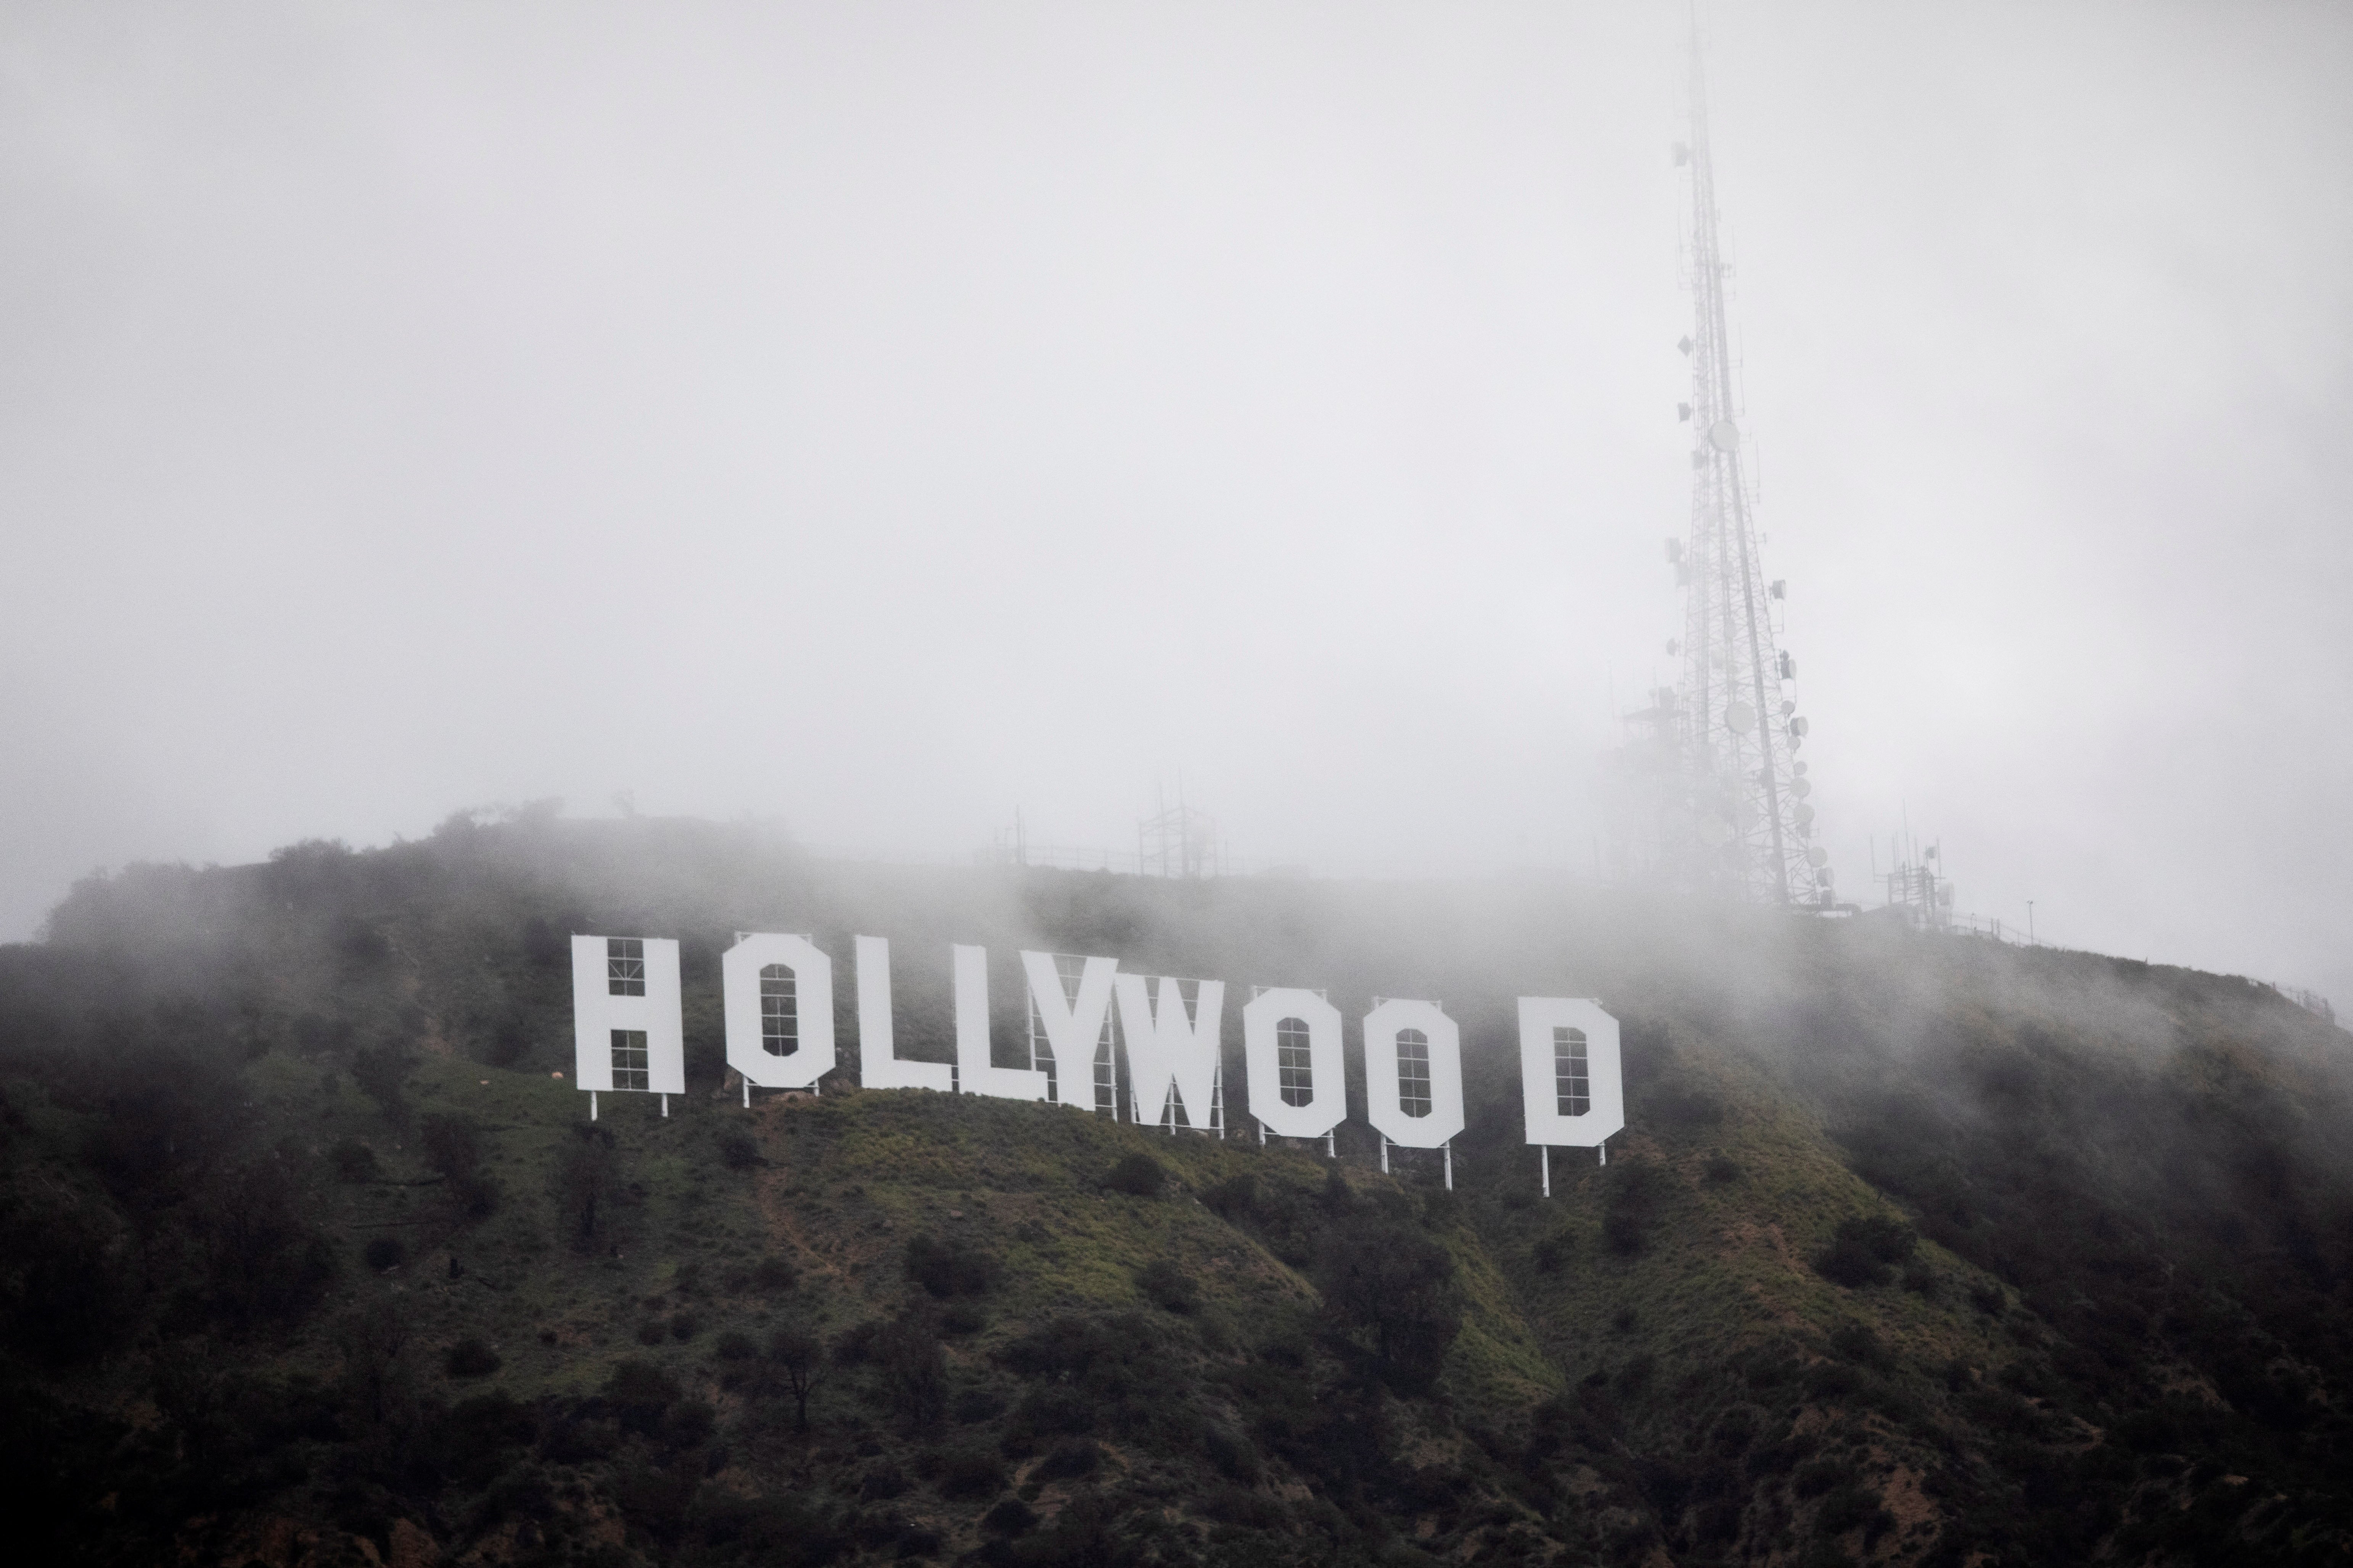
(974,1406)
(1053,1411)
(265,1262)
(1139,1176)
(1859,1343)
(1231,1454)
(453,1146)
(1553,1252)
(1391,1288)
(882,1482)
(1069,1460)
(1235,1199)
(382,1072)
(854,1346)
(771,1531)
(1010,1517)
(1817,1476)
(506,1043)
(1169,1287)
(970,1473)
(1635,1192)
(1851,1506)
(474,1443)
(1287,1217)
(1337,1199)
(469,1357)
(1865,1250)
(70,1279)
(948,1268)
(640,1392)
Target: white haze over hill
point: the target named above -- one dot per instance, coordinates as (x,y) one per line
(879,418)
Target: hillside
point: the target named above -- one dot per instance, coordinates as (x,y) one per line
(1915,1250)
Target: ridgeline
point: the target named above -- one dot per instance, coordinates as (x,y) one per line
(1916,1249)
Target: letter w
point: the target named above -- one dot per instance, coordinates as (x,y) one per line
(1167,1052)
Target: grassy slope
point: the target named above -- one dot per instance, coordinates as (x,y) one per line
(1758,1044)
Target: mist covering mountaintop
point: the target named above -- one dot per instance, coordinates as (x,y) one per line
(1916,1249)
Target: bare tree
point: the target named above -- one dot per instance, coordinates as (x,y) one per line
(376,1358)
(585,1181)
(913,1366)
(799,1359)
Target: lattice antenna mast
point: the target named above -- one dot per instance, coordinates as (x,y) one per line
(1743,732)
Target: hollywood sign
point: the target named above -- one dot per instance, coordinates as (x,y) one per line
(778,1002)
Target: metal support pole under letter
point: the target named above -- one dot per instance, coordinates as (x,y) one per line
(665,1105)
(1449,1164)
(1544,1153)
(1385,1153)
(592,1105)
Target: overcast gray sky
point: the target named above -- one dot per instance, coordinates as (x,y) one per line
(879,417)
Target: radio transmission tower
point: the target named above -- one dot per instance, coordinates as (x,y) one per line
(1750,830)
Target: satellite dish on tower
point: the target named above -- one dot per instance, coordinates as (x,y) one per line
(1739,718)
(1818,858)
(1724,436)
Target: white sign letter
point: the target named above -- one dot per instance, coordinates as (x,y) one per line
(976,1073)
(1569,1078)
(1075,1028)
(779,1005)
(1298,1083)
(1413,1073)
(627,1033)
(878,1065)
(1166,1052)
